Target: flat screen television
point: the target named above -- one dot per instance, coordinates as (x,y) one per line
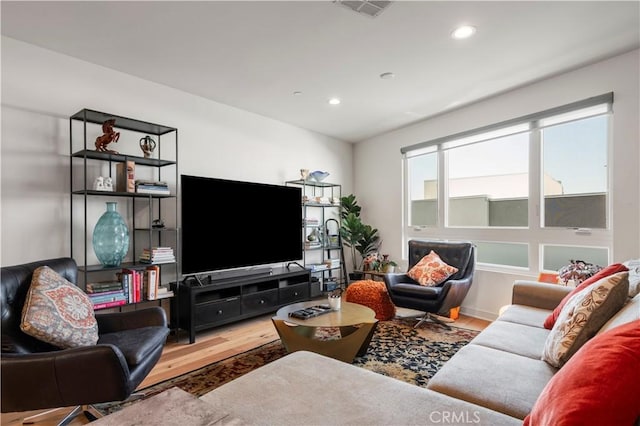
(228,224)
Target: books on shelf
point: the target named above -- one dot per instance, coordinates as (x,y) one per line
(332,263)
(312,244)
(164,292)
(157,191)
(316,267)
(152,282)
(157,255)
(125,176)
(98,298)
(130,283)
(152,187)
(102,286)
(134,285)
(109,304)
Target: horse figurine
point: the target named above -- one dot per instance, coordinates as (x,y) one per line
(109,136)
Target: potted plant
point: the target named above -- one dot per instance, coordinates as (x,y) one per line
(383,264)
(360,238)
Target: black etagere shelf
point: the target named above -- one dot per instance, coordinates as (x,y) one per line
(163,164)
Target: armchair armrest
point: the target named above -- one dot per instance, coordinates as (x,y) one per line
(392,279)
(75,376)
(118,321)
(537,294)
(454,292)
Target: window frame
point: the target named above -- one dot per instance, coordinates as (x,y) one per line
(535,235)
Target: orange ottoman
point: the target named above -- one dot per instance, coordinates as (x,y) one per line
(372,294)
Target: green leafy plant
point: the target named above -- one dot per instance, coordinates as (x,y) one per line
(382,263)
(360,238)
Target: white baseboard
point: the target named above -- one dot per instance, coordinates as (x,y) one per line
(477,313)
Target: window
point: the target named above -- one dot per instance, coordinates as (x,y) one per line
(423,189)
(575,173)
(532,193)
(488,182)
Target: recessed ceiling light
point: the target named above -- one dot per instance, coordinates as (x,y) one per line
(387,75)
(463,31)
(334,101)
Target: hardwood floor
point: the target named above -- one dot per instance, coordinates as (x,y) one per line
(180,357)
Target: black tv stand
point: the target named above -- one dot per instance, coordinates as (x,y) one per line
(294,263)
(187,280)
(204,303)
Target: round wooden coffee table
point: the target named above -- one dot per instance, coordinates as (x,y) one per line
(357,324)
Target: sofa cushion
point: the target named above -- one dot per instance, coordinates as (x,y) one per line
(599,385)
(633,266)
(609,270)
(58,312)
(494,379)
(312,389)
(583,315)
(518,339)
(629,312)
(526,315)
(431,270)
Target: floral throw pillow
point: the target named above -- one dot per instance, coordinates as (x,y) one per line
(431,270)
(58,312)
(583,315)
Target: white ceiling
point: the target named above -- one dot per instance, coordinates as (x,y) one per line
(254,54)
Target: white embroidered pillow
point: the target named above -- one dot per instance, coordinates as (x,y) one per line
(431,270)
(58,312)
(583,315)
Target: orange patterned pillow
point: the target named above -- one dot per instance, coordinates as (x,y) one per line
(431,270)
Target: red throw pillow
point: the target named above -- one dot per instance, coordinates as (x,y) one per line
(609,270)
(599,385)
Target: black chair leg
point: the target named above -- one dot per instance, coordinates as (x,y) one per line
(429,316)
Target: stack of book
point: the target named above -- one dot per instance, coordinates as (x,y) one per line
(332,263)
(152,187)
(141,284)
(164,292)
(107,294)
(157,255)
(308,245)
(316,267)
(311,221)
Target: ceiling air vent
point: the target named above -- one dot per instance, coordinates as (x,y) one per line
(369,8)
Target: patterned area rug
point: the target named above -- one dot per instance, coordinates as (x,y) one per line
(396,350)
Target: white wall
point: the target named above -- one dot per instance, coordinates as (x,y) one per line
(378,166)
(41,89)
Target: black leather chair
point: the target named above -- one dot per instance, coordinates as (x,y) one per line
(407,293)
(36,375)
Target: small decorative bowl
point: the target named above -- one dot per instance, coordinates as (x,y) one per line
(318,175)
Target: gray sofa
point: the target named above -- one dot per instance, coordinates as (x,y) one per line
(495,380)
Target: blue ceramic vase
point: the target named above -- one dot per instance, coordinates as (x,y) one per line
(111,237)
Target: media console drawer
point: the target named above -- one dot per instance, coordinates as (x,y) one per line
(294,293)
(214,312)
(260,301)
